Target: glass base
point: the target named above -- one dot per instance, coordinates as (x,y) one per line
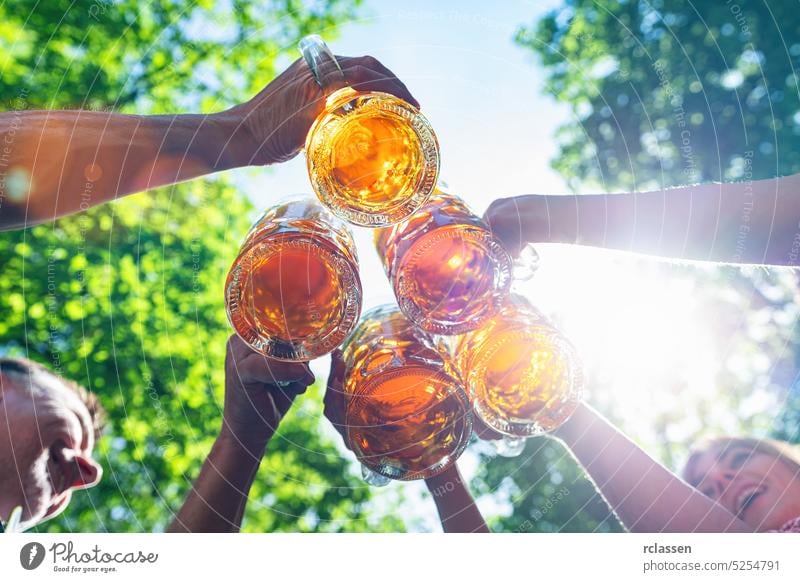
(453,279)
(397,178)
(320,320)
(395,412)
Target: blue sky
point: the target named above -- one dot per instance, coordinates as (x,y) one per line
(634,322)
(483,96)
(481,92)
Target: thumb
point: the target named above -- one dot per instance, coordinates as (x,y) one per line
(284,396)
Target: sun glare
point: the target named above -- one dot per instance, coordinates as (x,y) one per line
(640,331)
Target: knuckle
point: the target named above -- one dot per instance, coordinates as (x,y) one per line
(354,73)
(370,61)
(362,72)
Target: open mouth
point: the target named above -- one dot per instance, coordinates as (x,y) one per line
(747,496)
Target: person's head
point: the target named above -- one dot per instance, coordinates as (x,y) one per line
(757,480)
(48,427)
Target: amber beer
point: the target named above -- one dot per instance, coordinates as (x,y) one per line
(373,159)
(293,292)
(449,273)
(523,376)
(407,417)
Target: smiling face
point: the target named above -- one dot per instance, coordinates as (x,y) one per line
(46,442)
(753,481)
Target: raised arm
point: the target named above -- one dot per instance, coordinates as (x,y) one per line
(54,163)
(254,406)
(457,510)
(738,222)
(645,495)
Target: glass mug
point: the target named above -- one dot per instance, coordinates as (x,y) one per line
(406,416)
(373,159)
(523,376)
(450,274)
(294,292)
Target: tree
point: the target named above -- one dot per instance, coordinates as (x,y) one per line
(159,55)
(546,491)
(127,299)
(668,92)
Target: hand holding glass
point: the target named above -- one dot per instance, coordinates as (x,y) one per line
(406,416)
(373,159)
(294,292)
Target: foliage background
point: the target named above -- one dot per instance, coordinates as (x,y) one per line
(665,93)
(127,299)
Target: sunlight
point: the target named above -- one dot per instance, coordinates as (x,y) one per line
(640,331)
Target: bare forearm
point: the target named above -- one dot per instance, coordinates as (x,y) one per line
(456,507)
(217,501)
(54,163)
(744,222)
(644,494)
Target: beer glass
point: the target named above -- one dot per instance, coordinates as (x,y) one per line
(406,416)
(293,292)
(523,376)
(373,159)
(449,272)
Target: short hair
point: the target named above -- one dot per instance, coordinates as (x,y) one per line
(786,453)
(29,370)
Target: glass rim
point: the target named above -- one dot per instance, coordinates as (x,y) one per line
(426,180)
(455,389)
(310,347)
(407,294)
(523,427)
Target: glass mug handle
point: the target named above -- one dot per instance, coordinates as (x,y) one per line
(368,367)
(526,264)
(372,478)
(324,66)
(508,446)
